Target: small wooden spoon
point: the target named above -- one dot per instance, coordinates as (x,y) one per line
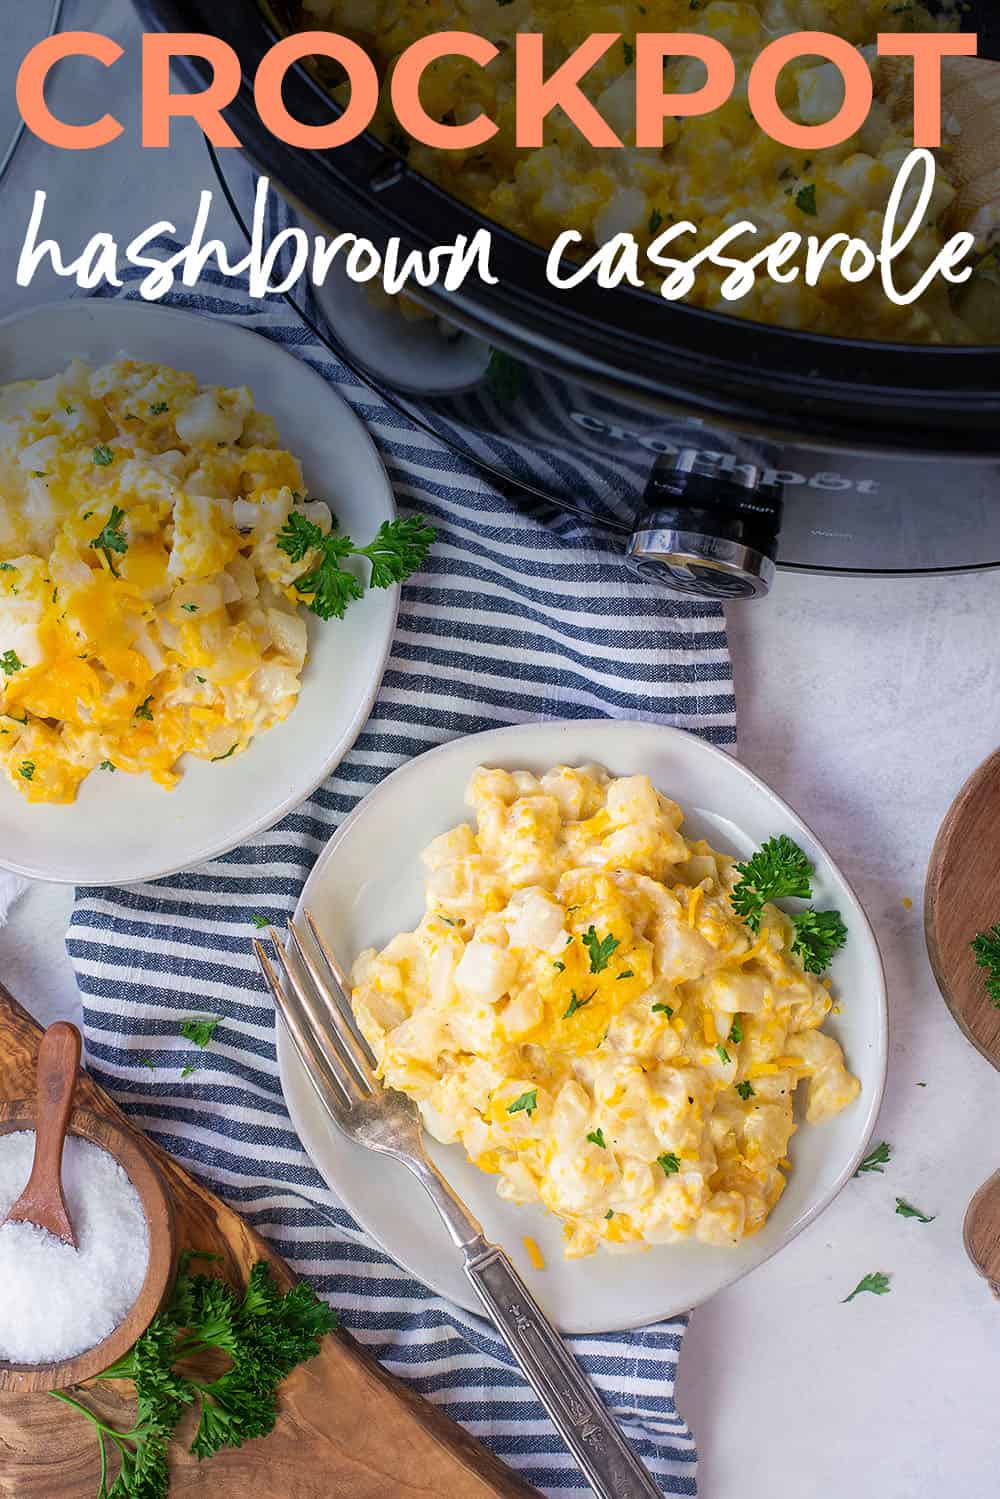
(42,1202)
(982,1232)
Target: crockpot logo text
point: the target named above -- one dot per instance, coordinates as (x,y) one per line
(537,95)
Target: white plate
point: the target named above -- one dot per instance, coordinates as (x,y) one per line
(367,885)
(124,829)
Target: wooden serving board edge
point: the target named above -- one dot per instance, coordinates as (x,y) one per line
(351,1429)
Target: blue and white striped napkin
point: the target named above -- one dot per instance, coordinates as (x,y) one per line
(509,622)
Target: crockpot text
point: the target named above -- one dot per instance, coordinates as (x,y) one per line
(537,94)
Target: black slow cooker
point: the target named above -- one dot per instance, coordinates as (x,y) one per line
(711,446)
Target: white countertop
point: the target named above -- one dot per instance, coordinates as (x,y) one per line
(865,705)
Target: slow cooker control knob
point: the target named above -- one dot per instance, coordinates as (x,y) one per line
(709,526)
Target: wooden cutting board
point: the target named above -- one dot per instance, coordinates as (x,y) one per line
(346,1428)
(961,898)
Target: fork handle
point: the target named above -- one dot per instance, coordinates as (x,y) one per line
(574,1406)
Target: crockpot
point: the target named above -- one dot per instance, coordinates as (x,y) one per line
(711,447)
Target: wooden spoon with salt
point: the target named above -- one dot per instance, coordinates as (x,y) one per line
(42,1202)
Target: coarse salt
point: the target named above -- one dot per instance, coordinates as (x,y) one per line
(56,1301)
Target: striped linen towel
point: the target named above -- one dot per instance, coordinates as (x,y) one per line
(509,622)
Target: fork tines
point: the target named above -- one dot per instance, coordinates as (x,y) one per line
(314,1005)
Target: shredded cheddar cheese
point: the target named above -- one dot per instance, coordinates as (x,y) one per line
(534,1253)
(146,611)
(525,1015)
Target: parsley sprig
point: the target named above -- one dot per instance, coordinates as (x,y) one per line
(326,587)
(818,935)
(200,1032)
(599,948)
(875,1159)
(907,1210)
(780,870)
(986,950)
(877,1283)
(264,1335)
(576,1003)
(112,540)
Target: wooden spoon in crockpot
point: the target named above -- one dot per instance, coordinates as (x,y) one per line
(42,1202)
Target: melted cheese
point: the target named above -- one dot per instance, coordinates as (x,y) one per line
(566,1009)
(145,609)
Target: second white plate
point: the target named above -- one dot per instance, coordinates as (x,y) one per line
(124,829)
(367,885)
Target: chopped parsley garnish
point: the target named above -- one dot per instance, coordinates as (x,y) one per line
(26,770)
(577,1004)
(779,869)
(655,221)
(661,1009)
(103,456)
(231,751)
(626,973)
(600,949)
(107,765)
(528,1103)
(200,1032)
(735,1032)
(818,935)
(907,1210)
(610,1213)
(745,1090)
(7,567)
(559,967)
(158,408)
(112,540)
(805,199)
(876,1283)
(875,1159)
(596,1137)
(671,1165)
(723,1053)
(398,550)
(10,662)
(69,410)
(986,950)
(190,608)
(629,51)
(260,922)
(144,710)
(263,1335)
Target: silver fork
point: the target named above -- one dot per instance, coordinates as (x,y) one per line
(314,1005)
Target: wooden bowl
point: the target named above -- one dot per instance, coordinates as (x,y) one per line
(961,898)
(144,1174)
